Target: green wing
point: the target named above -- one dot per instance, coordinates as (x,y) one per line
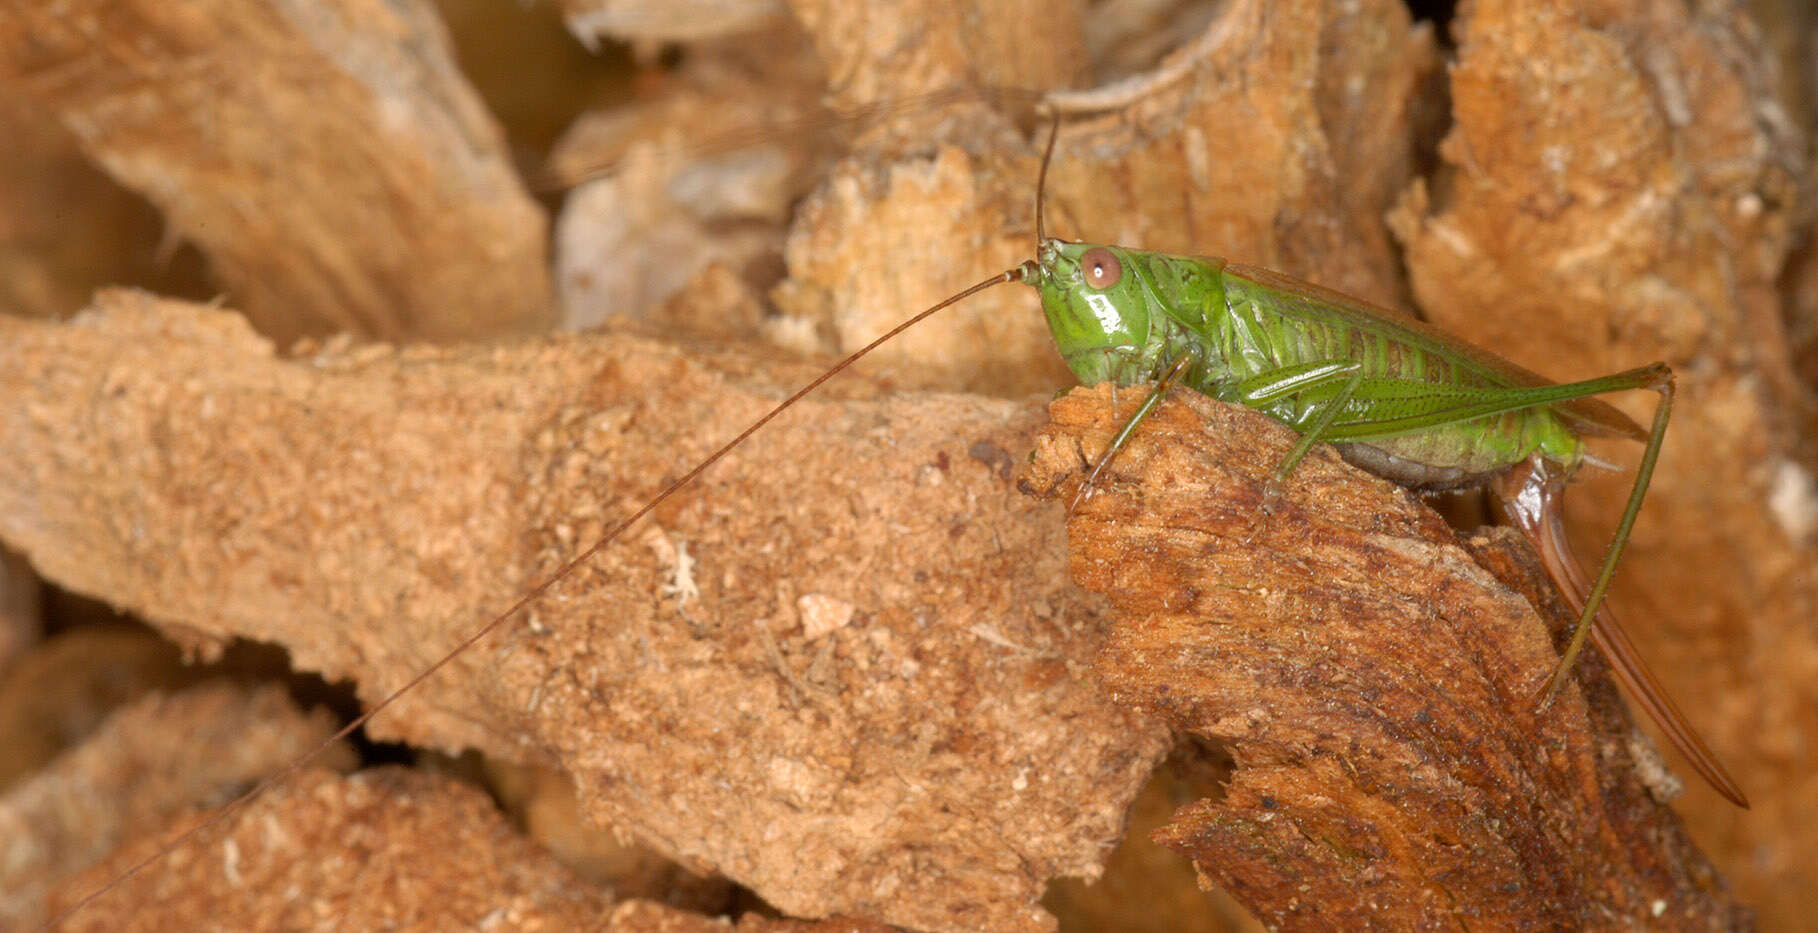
(1587,415)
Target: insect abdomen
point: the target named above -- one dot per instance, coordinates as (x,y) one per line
(1404,375)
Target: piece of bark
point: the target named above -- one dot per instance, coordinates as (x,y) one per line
(932,761)
(903,49)
(1376,687)
(153,759)
(1621,185)
(385,849)
(382,849)
(698,178)
(327,157)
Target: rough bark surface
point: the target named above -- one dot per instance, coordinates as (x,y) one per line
(383,849)
(377,850)
(153,759)
(1375,686)
(845,670)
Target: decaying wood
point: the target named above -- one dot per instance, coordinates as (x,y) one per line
(390,849)
(662,198)
(328,157)
(382,849)
(66,226)
(543,803)
(151,760)
(1375,686)
(845,669)
(386,849)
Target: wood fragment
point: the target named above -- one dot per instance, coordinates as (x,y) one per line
(1375,686)
(368,508)
(157,758)
(381,849)
(328,157)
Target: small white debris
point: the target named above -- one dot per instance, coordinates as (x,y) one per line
(1793,500)
(1557,159)
(1662,784)
(681,586)
(1199,157)
(792,779)
(822,614)
(1658,907)
(230,862)
(1453,238)
(990,634)
(795,333)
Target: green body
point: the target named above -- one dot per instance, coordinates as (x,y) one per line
(1414,405)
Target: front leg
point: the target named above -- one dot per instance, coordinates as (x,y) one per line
(1276,384)
(1123,434)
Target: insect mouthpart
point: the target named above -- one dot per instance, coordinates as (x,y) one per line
(1057,264)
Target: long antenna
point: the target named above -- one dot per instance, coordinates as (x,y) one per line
(1041,183)
(1018,274)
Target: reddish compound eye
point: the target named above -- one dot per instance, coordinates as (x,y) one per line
(1102,270)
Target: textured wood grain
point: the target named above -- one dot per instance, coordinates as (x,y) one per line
(1375,685)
